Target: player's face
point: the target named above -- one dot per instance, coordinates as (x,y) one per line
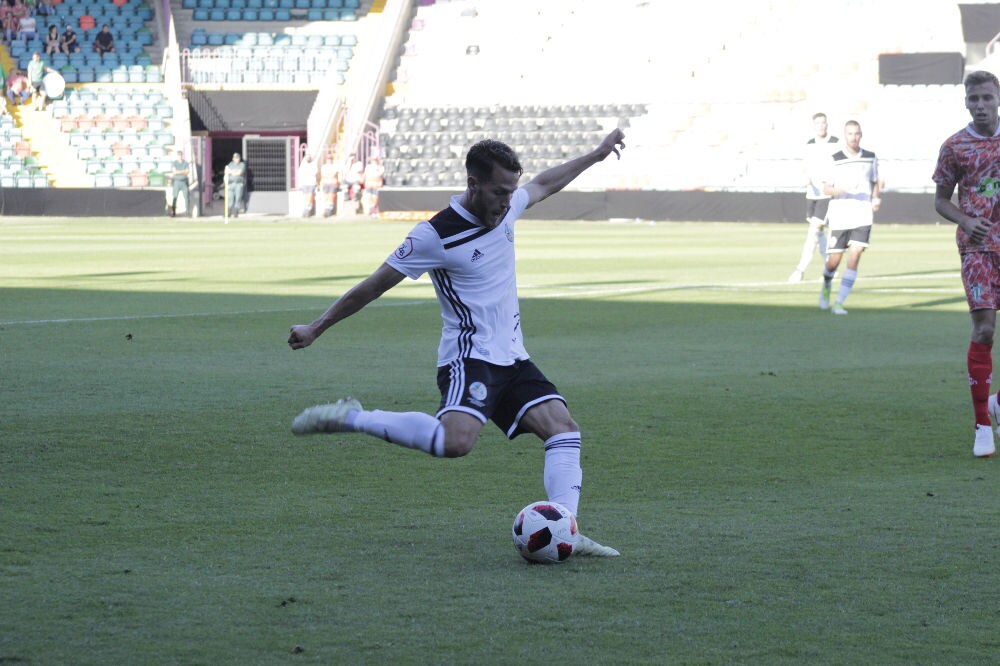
(852,137)
(489,200)
(982,101)
(820,125)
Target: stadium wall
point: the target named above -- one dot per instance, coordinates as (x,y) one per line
(897,207)
(81,202)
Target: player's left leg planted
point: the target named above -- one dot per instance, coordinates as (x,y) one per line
(980,363)
(563,478)
(562,475)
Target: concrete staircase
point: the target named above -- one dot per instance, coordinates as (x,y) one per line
(51,149)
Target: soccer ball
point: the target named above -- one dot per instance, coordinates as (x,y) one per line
(545,532)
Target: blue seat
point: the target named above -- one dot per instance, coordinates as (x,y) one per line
(251,14)
(201,14)
(217,15)
(234,14)
(266,14)
(314,15)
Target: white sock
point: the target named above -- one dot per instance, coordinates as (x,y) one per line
(846,283)
(562,475)
(414,430)
(821,241)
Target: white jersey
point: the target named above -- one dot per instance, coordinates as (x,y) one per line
(856,174)
(817,162)
(472,269)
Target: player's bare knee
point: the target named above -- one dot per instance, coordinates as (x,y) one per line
(457,444)
(983,335)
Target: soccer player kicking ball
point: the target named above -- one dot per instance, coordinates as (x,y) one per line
(484,372)
(968,160)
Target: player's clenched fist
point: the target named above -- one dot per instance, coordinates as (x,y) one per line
(301,336)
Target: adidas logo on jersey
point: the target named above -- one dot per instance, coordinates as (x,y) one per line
(477,255)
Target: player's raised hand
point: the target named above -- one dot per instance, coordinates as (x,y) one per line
(301,336)
(614,142)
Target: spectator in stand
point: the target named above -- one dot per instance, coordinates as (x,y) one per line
(27,27)
(44,8)
(69,41)
(37,69)
(105,41)
(374,178)
(329,185)
(15,13)
(53,42)
(6,12)
(18,88)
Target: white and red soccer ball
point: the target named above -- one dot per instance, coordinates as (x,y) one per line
(545,532)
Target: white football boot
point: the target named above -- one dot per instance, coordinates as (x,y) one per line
(587,546)
(984,447)
(838,309)
(325,418)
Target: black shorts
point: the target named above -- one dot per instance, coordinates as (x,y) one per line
(501,393)
(841,239)
(816,210)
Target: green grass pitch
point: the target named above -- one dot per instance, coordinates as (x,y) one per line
(785,486)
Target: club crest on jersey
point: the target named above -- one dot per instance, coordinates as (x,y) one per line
(477,393)
(405,249)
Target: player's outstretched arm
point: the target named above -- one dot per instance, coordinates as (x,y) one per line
(382,280)
(552,180)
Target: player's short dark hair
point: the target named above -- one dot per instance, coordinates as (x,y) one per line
(819,114)
(482,157)
(979,77)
